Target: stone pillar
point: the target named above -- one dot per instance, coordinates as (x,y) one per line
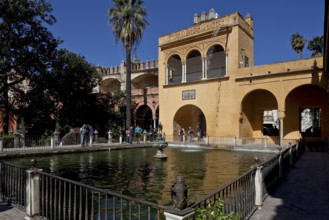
(17,137)
(120,139)
(56,137)
(52,142)
(96,136)
(144,136)
(259,182)
(265,142)
(1,145)
(91,141)
(32,193)
(177,215)
(109,137)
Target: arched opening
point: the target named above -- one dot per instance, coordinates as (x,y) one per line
(258,115)
(193,66)
(306,113)
(109,85)
(189,116)
(144,117)
(174,69)
(216,61)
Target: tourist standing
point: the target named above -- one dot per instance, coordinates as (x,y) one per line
(198,130)
(160,128)
(190,134)
(151,131)
(91,134)
(138,132)
(181,134)
(82,135)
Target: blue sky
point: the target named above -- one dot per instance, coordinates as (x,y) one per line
(84,27)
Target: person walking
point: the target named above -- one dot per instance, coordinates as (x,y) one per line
(181,134)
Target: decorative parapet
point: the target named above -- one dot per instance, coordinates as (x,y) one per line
(207,27)
(135,66)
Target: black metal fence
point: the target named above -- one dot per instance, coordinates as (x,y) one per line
(66,199)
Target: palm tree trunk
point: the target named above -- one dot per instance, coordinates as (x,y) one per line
(128,88)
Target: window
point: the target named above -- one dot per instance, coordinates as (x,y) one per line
(310,122)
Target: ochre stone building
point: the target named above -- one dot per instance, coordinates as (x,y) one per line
(207,78)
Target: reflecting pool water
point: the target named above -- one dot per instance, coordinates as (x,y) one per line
(135,172)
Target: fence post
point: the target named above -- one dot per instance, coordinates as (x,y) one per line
(52,143)
(109,137)
(259,183)
(1,145)
(120,138)
(280,165)
(96,136)
(291,156)
(32,193)
(17,136)
(265,142)
(178,216)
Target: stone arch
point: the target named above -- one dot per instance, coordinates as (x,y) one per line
(193,66)
(305,96)
(253,106)
(144,117)
(216,61)
(144,81)
(174,69)
(189,115)
(109,85)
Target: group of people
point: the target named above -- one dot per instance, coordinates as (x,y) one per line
(86,135)
(137,132)
(190,133)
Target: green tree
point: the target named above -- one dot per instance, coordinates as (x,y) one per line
(298,43)
(27,47)
(128,22)
(64,94)
(316,46)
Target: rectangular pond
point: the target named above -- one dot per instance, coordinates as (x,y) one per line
(135,172)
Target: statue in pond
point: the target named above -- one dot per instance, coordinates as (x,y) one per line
(160,144)
(179,193)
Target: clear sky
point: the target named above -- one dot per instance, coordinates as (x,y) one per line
(84,28)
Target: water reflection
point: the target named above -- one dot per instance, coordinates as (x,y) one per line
(136,173)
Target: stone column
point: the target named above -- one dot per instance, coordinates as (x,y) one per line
(32,193)
(281,130)
(167,75)
(183,72)
(203,68)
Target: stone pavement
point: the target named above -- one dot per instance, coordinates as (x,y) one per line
(303,194)
(8,212)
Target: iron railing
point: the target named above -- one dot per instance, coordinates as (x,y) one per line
(66,199)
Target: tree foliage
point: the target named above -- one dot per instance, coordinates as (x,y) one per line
(27,47)
(64,94)
(316,45)
(128,22)
(298,43)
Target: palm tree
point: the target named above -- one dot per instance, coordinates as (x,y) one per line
(316,46)
(128,22)
(298,43)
